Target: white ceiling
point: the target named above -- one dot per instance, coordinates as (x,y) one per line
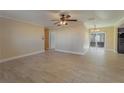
(44,17)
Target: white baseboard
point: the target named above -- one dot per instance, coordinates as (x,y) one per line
(77,53)
(108,49)
(86,50)
(111,50)
(21,56)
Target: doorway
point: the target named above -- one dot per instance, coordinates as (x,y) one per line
(46,34)
(97,39)
(52,40)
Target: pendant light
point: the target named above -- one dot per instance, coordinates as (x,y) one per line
(94,29)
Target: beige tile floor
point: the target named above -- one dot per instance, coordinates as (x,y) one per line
(95,66)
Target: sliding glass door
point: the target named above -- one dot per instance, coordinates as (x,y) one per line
(97,39)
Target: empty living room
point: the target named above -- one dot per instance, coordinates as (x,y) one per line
(61,46)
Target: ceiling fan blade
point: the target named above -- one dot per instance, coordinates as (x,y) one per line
(56,23)
(62,15)
(54,20)
(68,16)
(71,20)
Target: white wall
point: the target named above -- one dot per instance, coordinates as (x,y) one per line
(52,40)
(72,38)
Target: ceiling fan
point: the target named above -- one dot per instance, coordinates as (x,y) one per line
(63,20)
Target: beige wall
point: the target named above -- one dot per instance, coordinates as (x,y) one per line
(110,36)
(115,38)
(19,38)
(72,38)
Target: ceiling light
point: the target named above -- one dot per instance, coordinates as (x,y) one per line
(61,22)
(95,29)
(64,22)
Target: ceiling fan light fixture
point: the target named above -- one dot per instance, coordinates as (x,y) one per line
(64,19)
(63,22)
